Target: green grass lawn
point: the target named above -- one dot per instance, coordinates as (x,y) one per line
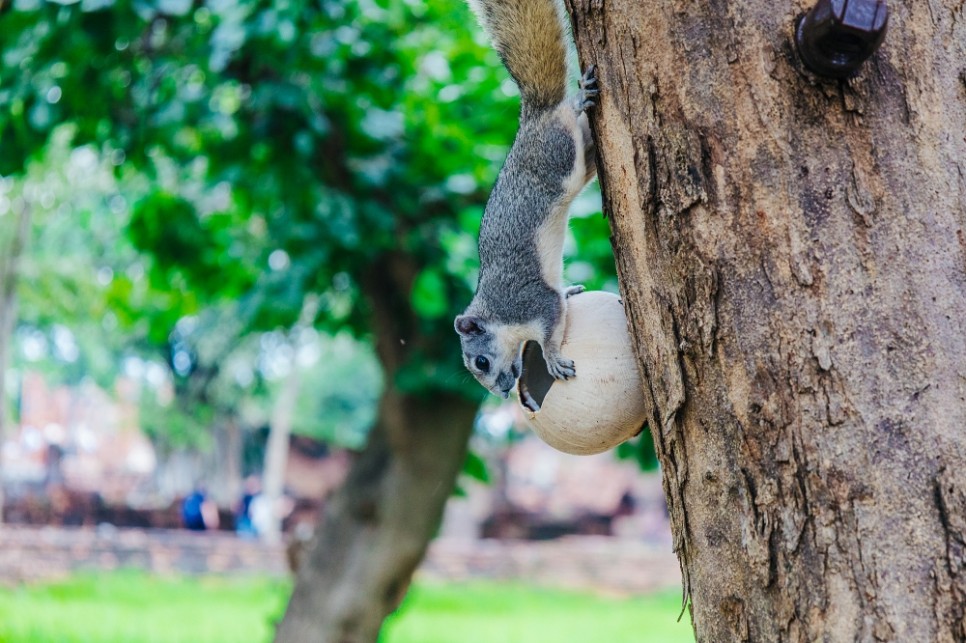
(133,607)
(513,613)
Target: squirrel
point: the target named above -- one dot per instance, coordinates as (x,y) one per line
(520,295)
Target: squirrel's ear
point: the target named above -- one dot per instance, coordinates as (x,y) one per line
(469,325)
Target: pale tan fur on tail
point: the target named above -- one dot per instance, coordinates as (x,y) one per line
(529,36)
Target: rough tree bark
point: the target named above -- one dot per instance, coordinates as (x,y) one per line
(792,255)
(377,526)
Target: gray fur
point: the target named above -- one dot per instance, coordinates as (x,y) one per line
(511,286)
(513,301)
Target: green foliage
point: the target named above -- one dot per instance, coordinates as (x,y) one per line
(334,132)
(76,257)
(334,107)
(260,152)
(188,249)
(338,394)
(590,257)
(429,294)
(641,450)
(475,467)
(171,426)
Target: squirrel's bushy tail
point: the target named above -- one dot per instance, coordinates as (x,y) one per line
(529,36)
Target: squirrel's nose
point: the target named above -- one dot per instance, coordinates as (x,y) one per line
(504,384)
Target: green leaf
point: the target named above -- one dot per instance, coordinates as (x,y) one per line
(429,294)
(641,450)
(475,467)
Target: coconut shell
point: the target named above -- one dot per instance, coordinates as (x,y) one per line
(604,404)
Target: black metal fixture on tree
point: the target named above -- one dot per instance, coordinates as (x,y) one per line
(837,36)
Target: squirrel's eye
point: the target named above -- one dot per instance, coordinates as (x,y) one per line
(482,363)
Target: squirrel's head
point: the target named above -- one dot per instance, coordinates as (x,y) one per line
(491,352)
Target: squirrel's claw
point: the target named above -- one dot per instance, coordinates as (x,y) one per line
(561,368)
(587,97)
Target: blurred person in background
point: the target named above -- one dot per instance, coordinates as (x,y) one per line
(243,518)
(198,513)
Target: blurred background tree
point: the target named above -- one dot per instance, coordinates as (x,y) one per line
(196,170)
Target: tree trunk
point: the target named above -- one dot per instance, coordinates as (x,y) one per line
(792,257)
(9,271)
(376,528)
(224,464)
(280,427)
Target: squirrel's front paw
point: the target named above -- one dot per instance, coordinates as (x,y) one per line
(573,290)
(561,368)
(587,97)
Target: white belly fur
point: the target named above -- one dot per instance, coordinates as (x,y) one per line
(553,232)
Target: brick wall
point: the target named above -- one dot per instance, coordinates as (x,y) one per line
(612,565)
(28,553)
